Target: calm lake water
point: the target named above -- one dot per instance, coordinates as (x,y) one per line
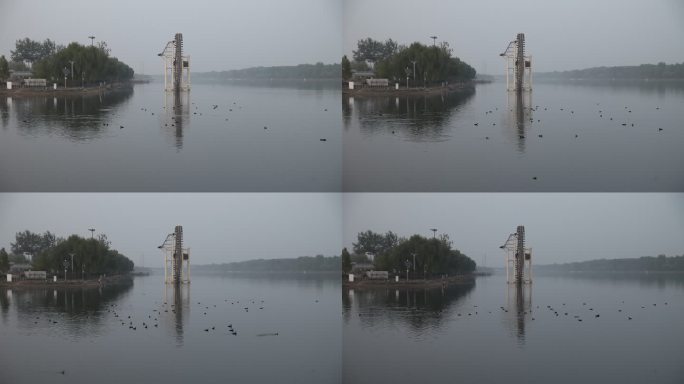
(86,334)
(212,139)
(488,333)
(560,137)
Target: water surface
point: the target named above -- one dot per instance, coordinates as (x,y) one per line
(87,332)
(218,137)
(562,137)
(489,332)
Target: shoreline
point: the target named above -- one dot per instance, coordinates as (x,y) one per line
(78,91)
(391,91)
(429,283)
(92,283)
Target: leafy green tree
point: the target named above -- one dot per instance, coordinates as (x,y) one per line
(18,66)
(4,68)
(92,64)
(16,258)
(374,51)
(346,68)
(360,66)
(375,243)
(32,243)
(432,256)
(346,261)
(432,64)
(31,51)
(4,261)
(91,255)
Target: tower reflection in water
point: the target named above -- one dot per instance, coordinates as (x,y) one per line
(519,304)
(177,302)
(177,108)
(519,116)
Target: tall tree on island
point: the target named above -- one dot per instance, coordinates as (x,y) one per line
(346,68)
(4,261)
(346,261)
(31,51)
(4,68)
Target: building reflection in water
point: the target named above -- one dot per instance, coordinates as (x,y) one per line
(418,308)
(519,117)
(177,108)
(415,117)
(77,308)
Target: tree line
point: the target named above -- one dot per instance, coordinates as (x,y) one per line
(644,71)
(421,63)
(317,263)
(49,252)
(661,263)
(301,71)
(53,62)
(421,255)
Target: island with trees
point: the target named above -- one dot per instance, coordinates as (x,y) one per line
(74,260)
(415,261)
(414,68)
(74,68)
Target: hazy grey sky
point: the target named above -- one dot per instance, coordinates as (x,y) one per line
(218,35)
(559,227)
(560,34)
(217,227)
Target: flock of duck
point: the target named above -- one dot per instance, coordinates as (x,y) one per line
(196,112)
(625,120)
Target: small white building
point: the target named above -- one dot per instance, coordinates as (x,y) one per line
(377,275)
(35,275)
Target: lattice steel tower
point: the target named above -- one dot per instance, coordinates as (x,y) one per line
(518,258)
(518,65)
(176,65)
(174,256)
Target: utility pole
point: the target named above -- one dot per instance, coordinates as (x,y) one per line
(434,232)
(92,38)
(434,39)
(92,232)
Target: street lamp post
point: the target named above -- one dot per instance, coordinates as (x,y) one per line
(434,39)
(434,232)
(92,232)
(83,272)
(72,72)
(66,264)
(92,38)
(414,69)
(72,262)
